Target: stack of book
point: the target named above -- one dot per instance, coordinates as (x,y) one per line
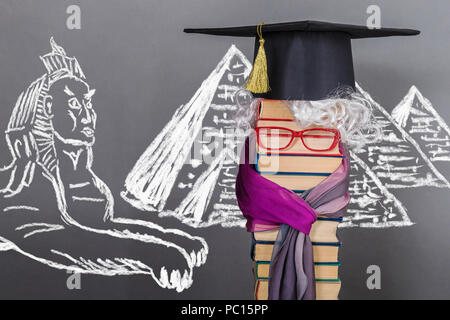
(298,169)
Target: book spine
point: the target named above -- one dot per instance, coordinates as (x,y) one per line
(291,173)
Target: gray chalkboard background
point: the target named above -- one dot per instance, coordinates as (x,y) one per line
(143,67)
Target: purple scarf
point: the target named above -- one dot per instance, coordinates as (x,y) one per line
(266,205)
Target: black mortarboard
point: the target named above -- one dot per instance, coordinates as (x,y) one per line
(306,60)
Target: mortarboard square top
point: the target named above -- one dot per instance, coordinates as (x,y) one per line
(355,31)
(307,60)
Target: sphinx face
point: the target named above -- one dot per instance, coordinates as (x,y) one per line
(74,118)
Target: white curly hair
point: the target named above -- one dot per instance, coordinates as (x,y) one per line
(346,110)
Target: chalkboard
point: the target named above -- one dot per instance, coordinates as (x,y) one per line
(106,106)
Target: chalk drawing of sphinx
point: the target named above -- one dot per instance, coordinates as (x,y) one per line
(50,136)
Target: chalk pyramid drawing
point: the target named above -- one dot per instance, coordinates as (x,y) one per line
(371,205)
(173,170)
(398,160)
(417,116)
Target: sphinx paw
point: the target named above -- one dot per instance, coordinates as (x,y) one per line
(175,279)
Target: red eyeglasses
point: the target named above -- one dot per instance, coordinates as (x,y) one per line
(315,139)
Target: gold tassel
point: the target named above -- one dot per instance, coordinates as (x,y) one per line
(258,81)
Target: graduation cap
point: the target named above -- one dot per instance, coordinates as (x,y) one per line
(305,60)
